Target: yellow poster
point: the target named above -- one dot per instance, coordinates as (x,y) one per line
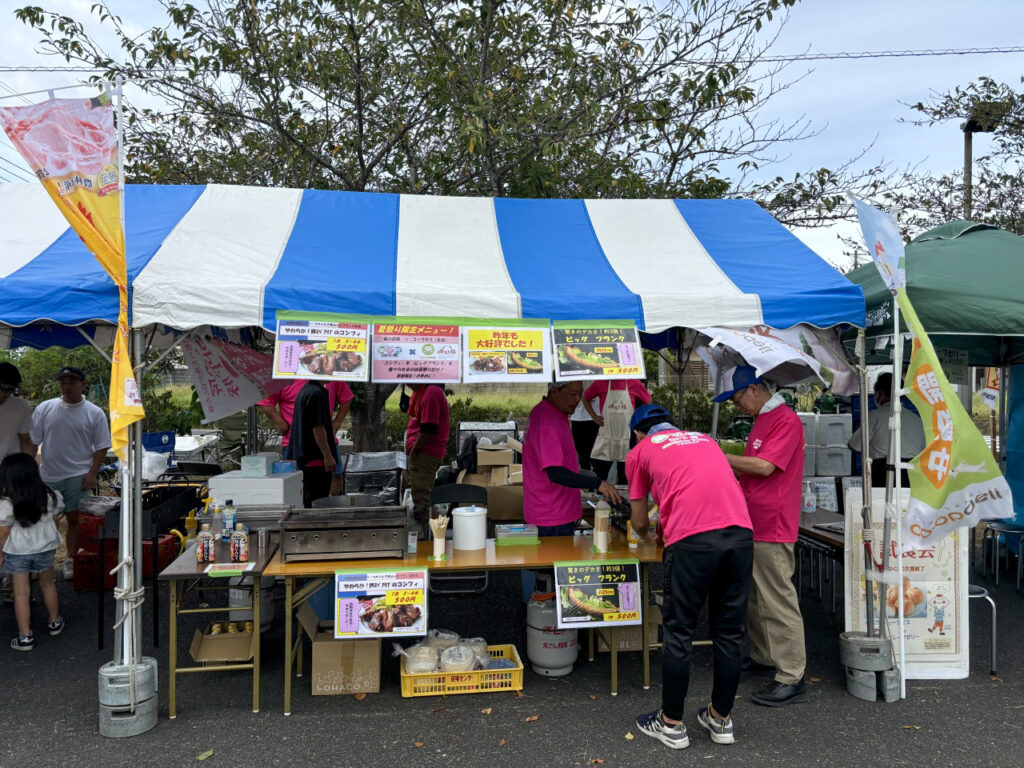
(71,146)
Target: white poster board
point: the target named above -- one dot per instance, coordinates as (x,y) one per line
(935,581)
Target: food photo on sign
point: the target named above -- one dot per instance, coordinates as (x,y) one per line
(310,348)
(495,355)
(596,352)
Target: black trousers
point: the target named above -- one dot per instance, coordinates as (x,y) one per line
(316,483)
(584,433)
(714,565)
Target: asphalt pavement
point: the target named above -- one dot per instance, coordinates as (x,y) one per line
(49,706)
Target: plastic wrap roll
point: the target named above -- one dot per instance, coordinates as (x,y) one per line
(421,658)
(478,646)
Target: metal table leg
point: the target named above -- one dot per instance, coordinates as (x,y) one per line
(255,595)
(613,647)
(172,651)
(645,634)
(289,586)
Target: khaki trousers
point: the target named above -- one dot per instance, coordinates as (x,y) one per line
(419,475)
(775,628)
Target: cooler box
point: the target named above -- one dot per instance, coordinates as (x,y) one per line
(283,488)
(810,424)
(832,460)
(86,563)
(834,428)
(810,460)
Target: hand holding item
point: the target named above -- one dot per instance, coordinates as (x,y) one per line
(607,490)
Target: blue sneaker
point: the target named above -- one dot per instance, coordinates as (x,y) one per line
(20,643)
(654,725)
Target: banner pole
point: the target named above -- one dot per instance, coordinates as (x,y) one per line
(865,475)
(896,460)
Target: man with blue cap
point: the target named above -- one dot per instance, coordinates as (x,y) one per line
(708,553)
(770,472)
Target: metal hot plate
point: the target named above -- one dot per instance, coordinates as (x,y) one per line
(345,533)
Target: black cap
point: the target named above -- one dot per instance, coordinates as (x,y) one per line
(70,370)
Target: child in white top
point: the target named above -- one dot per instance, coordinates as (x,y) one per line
(28,542)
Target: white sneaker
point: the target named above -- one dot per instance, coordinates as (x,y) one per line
(68,569)
(720,728)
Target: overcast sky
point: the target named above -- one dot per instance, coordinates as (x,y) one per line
(851,103)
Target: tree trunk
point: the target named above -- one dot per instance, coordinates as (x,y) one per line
(369,422)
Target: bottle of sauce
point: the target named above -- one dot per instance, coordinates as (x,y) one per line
(239,544)
(205,546)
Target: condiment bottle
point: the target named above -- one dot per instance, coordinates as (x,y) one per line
(205,547)
(239,544)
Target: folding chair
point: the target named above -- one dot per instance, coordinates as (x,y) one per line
(471,581)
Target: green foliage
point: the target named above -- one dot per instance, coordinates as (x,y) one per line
(697,408)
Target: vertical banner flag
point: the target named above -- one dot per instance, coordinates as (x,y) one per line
(990,394)
(71,145)
(954,481)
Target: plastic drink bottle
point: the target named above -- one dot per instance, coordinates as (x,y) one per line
(217,521)
(229,521)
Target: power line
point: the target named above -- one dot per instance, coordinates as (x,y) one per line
(23,175)
(894,54)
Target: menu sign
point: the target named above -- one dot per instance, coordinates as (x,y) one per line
(584,352)
(506,355)
(599,593)
(371,604)
(316,349)
(409,352)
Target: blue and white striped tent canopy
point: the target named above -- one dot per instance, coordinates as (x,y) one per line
(231,256)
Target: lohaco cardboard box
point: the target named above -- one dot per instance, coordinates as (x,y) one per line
(631,638)
(340,666)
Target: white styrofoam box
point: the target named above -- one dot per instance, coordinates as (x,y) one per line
(824,492)
(282,488)
(258,464)
(834,428)
(810,423)
(853,481)
(832,460)
(810,451)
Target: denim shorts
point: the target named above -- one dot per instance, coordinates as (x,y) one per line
(36,563)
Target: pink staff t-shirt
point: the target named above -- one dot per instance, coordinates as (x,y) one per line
(774,501)
(548,443)
(428,405)
(338,392)
(691,482)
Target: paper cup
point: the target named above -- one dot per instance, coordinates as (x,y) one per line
(601,541)
(438,549)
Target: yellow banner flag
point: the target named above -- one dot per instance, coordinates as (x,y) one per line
(71,146)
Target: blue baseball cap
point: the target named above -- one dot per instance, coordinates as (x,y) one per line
(645,412)
(736,379)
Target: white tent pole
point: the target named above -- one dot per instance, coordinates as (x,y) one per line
(895,458)
(865,474)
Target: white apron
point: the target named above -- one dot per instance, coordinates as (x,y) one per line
(612,443)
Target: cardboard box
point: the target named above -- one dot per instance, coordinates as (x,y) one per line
(227,646)
(494,457)
(340,666)
(499,476)
(466,478)
(515,474)
(505,502)
(631,638)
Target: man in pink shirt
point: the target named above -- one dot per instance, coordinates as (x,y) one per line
(280,409)
(426,440)
(552,483)
(770,473)
(708,553)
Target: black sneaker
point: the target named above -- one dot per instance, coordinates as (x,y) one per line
(777,694)
(56,627)
(654,725)
(751,667)
(23,644)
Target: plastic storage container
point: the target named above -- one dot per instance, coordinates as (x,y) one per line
(810,460)
(810,424)
(470,527)
(833,428)
(832,460)
(284,488)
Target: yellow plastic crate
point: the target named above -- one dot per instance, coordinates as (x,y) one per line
(478,681)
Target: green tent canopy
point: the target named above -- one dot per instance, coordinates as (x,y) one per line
(966,282)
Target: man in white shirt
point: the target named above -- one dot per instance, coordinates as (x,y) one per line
(911,433)
(74,435)
(15,414)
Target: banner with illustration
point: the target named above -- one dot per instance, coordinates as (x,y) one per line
(406,351)
(72,147)
(598,593)
(321,346)
(506,354)
(934,587)
(371,604)
(597,349)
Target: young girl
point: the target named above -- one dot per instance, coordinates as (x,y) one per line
(28,541)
